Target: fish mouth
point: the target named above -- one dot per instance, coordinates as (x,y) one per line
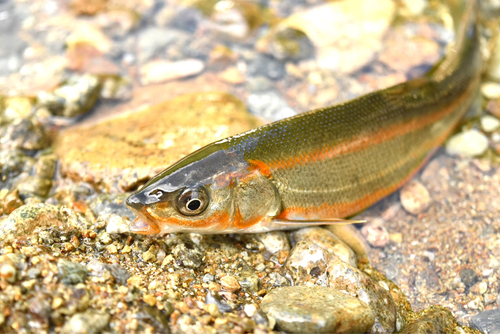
(143,224)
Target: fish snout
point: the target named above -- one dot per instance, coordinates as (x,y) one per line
(134,202)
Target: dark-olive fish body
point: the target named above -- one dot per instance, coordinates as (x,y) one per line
(321,166)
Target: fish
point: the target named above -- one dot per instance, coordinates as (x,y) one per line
(319,167)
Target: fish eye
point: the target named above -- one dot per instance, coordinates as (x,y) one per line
(192,201)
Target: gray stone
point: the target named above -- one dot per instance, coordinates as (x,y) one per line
(267,66)
(88,322)
(104,204)
(153,41)
(487,322)
(468,277)
(302,309)
(269,105)
(71,273)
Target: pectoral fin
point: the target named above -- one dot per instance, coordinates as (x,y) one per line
(285,223)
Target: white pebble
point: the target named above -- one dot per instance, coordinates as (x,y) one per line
(491,90)
(489,123)
(250,310)
(116,224)
(467,144)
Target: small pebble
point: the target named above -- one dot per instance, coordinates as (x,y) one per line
(8,272)
(467,144)
(160,70)
(116,224)
(491,90)
(230,283)
(149,299)
(489,123)
(375,233)
(250,310)
(483,287)
(415,197)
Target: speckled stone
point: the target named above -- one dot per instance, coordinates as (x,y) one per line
(25,219)
(326,240)
(77,96)
(415,197)
(316,309)
(432,320)
(274,241)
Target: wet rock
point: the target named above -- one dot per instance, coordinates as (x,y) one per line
(186,252)
(230,283)
(326,240)
(34,186)
(274,241)
(307,264)
(376,295)
(247,278)
(99,269)
(266,66)
(488,322)
(89,322)
(105,205)
(467,144)
(346,34)
(115,224)
(25,219)
(269,105)
(415,197)
(431,320)
(146,141)
(233,20)
(8,270)
(233,76)
(491,90)
(12,164)
(303,309)
(11,201)
(404,54)
(16,107)
(489,123)
(468,277)
(153,41)
(71,273)
(84,7)
(286,43)
(75,97)
(160,70)
(156,317)
(375,233)
(214,299)
(26,134)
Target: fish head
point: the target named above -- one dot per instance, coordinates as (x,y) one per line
(209,191)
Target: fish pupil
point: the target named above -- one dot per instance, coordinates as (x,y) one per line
(194,204)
